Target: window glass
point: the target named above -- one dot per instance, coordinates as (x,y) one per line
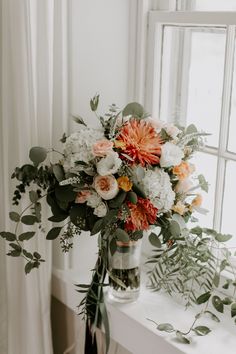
(229,220)
(191,91)
(206,164)
(232,127)
(215,5)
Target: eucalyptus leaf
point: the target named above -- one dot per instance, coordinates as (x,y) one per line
(180,337)
(165,327)
(203,298)
(33,196)
(191,129)
(213,316)
(133,109)
(79,120)
(201,330)
(28,267)
(217,303)
(26,236)
(29,219)
(118,200)
(37,154)
(58,172)
(132,197)
(53,233)
(9,236)
(223,238)
(174,229)
(14,216)
(121,235)
(233,309)
(154,240)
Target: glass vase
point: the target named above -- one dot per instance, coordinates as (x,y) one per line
(124,271)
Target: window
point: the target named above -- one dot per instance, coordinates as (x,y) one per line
(191,79)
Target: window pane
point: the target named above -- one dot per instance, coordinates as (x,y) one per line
(232,129)
(228,221)
(192,77)
(206,164)
(215,5)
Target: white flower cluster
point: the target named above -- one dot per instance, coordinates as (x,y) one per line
(78,146)
(95,201)
(158,188)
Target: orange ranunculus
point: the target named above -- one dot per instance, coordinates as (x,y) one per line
(140,141)
(197,201)
(183,170)
(141,215)
(124,183)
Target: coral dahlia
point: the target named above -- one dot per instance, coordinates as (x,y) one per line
(141,215)
(140,141)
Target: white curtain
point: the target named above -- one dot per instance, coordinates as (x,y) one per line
(34,111)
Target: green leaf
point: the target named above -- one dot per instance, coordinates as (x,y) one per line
(29,219)
(213,316)
(37,154)
(223,238)
(14,253)
(165,327)
(37,255)
(118,200)
(9,236)
(113,246)
(58,218)
(65,193)
(216,279)
(191,129)
(233,309)
(196,231)
(58,172)
(78,215)
(63,139)
(28,267)
(217,303)
(98,226)
(79,120)
(181,338)
(203,298)
(139,190)
(201,330)
(133,109)
(132,197)
(53,233)
(26,236)
(227,301)
(14,216)
(33,196)
(154,240)
(94,103)
(15,246)
(28,254)
(174,229)
(121,235)
(203,183)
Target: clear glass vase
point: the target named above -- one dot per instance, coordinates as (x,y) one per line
(124,271)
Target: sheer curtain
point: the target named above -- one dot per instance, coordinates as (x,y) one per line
(34,111)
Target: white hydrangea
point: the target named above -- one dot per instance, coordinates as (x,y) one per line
(158,188)
(78,146)
(109,165)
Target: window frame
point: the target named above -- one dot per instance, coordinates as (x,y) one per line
(156,22)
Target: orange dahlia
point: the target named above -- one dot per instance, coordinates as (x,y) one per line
(141,215)
(139,140)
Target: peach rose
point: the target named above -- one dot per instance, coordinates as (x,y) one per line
(183,170)
(102,147)
(179,208)
(82,196)
(106,186)
(124,183)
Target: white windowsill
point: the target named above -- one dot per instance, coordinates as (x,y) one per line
(130,327)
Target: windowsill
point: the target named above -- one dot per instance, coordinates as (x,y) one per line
(130,327)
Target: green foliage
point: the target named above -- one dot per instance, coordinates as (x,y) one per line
(8,236)
(53,233)
(14,216)
(233,309)
(217,303)
(29,219)
(26,236)
(94,103)
(203,298)
(201,330)
(58,172)
(134,109)
(154,240)
(121,235)
(203,183)
(79,120)
(37,155)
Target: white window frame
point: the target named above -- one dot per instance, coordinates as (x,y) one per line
(156,22)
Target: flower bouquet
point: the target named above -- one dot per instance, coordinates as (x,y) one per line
(127,176)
